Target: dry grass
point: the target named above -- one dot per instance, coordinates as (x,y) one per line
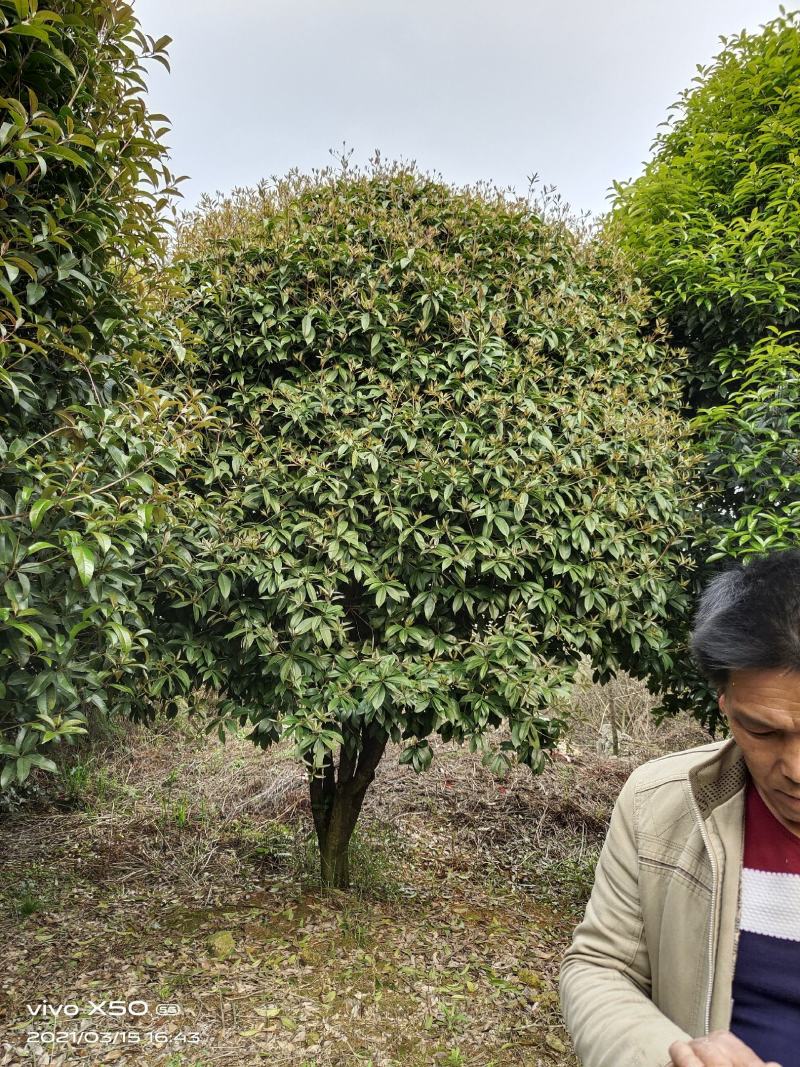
(466,890)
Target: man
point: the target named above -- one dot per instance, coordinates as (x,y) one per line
(689,952)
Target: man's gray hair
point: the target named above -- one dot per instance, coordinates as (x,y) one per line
(749,616)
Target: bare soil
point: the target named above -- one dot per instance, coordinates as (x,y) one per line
(159,904)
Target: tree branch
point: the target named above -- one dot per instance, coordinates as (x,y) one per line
(373,744)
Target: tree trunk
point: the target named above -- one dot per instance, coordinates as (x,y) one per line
(336,803)
(614,736)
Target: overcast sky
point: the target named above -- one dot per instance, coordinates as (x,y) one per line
(572,90)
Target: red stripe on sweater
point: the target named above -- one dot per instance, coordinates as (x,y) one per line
(768,846)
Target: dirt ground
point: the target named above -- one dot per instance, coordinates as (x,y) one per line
(159,904)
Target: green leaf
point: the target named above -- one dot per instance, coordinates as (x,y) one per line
(34,292)
(102,539)
(144,481)
(23,767)
(61,151)
(42,505)
(122,634)
(63,60)
(11,383)
(42,761)
(376,695)
(29,631)
(224,583)
(28,29)
(84,562)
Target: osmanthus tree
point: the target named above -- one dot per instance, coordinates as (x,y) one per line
(452,462)
(89,442)
(713,228)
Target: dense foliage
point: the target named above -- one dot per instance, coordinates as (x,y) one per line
(82,452)
(713,226)
(452,462)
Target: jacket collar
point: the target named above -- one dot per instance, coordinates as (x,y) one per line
(719,777)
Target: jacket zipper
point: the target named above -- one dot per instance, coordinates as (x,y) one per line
(707,843)
(738,921)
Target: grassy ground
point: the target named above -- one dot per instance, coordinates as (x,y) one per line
(167,872)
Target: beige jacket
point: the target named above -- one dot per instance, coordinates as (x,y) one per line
(652,961)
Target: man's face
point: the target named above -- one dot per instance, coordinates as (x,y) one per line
(763,710)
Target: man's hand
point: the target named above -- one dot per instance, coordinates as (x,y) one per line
(720,1049)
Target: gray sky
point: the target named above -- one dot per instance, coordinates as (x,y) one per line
(573,90)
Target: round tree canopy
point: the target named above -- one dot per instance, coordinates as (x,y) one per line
(454,462)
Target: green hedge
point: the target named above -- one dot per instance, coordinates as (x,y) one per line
(713,228)
(85,437)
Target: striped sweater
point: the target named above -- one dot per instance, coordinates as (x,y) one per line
(766,981)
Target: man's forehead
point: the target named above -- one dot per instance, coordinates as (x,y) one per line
(753,689)
(766,716)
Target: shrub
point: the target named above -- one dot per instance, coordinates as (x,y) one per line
(713,226)
(85,436)
(451,463)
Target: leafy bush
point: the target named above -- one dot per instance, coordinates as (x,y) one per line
(85,437)
(713,227)
(452,461)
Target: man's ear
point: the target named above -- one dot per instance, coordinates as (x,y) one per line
(721,701)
